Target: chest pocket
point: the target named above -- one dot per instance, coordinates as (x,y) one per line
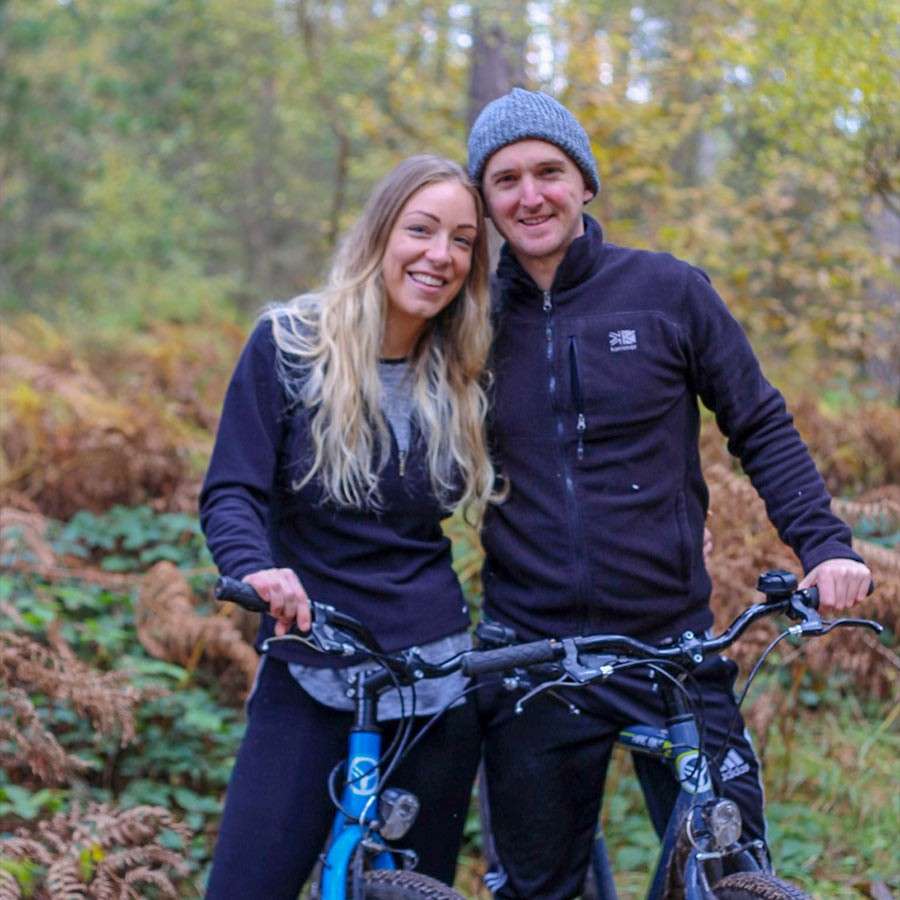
(620,371)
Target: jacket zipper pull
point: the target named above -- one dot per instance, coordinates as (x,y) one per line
(402,463)
(548,309)
(577,397)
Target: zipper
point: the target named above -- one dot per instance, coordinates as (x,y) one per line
(577,396)
(548,331)
(402,463)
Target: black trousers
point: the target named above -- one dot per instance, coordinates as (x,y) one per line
(277,810)
(545,771)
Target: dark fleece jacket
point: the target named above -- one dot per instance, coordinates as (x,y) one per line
(391,568)
(596,426)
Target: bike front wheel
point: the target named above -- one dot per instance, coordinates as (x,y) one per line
(756,886)
(399,884)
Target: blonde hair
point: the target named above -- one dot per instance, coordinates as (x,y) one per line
(329,344)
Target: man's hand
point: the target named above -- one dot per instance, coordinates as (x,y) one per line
(287,599)
(841,582)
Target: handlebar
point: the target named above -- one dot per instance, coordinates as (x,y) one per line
(239,592)
(584,659)
(516,656)
(331,631)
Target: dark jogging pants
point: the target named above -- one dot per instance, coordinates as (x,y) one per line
(545,771)
(277,810)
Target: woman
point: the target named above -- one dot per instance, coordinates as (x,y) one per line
(352,425)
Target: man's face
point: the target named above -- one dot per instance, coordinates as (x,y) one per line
(534,194)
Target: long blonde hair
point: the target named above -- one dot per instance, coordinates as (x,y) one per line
(329,344)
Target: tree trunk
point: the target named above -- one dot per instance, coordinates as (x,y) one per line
(497,65)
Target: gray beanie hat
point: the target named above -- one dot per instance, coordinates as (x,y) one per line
(520,115)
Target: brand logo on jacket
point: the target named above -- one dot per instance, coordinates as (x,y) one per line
(622,340)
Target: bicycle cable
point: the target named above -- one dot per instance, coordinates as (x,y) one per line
(693,698)
(471,689)
(740,700)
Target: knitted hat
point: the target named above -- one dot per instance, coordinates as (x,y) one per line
(520,115)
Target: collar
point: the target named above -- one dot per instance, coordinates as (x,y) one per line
(579,262)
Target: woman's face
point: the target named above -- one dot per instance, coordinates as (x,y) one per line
(426,261)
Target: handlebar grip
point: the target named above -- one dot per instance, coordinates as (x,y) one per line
(482,662)
(811,597)
(239,592)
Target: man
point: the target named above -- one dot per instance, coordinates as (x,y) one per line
(601,354)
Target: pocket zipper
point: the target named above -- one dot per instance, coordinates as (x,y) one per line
(577,397)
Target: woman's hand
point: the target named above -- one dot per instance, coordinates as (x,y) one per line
(288,602)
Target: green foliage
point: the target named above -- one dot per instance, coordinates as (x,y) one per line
(186,737)
(161,158)
(22,803)
(25,872)
(128,539)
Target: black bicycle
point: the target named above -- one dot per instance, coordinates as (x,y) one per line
(701,855)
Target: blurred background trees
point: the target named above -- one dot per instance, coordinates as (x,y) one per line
(162,157)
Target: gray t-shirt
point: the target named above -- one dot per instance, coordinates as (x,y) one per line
(397,398)
(330,687)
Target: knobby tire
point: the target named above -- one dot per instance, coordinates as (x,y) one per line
(756,886)
(398,884)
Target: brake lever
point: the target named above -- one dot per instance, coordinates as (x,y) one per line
(580,672)
(323,638)
(798,611)
(829,624)
(562,681)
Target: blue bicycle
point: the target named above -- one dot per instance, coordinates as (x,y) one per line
(701,855)
(358,863)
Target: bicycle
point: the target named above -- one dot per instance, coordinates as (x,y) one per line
(358,864)
(701,857)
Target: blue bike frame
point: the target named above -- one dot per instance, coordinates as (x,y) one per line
(359,801)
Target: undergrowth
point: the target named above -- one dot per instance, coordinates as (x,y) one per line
(122,689)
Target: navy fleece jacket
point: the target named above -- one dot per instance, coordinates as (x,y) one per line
(389,568)
(596,427)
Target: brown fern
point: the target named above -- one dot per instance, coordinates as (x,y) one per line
(22,529)
(106,698)
(170,628)
(880,506)
(745,544)
(25,743)
(63,880)
(100,851)
(121,423)
(9,887)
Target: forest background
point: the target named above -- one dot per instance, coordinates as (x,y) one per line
(169,166)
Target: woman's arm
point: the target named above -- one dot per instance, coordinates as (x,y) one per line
(240,485)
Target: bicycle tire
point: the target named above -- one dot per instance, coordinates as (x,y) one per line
(756,886)
(399,884)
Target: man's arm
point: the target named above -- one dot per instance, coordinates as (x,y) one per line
(751,413)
